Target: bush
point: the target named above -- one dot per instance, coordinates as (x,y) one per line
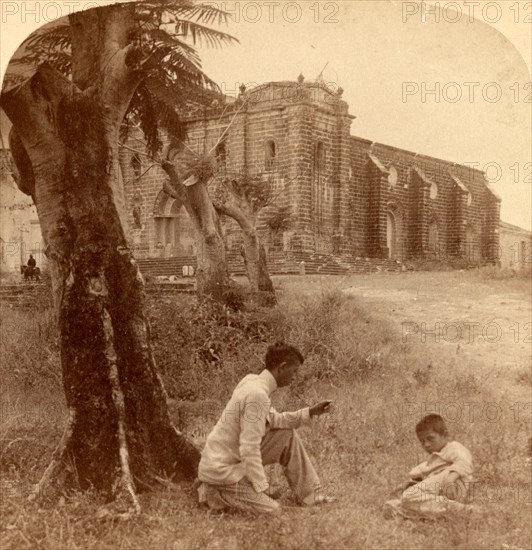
(339,337)
(203,349)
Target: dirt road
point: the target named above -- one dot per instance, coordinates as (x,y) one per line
(486,323)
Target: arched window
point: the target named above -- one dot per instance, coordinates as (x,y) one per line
(136,165)
(319,157)
(270,155)
(393,176)
(433,193)
(221,157)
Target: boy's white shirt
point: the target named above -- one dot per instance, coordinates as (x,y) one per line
(454,457)
(232,450)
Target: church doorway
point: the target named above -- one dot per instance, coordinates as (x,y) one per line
(434,239)
(174,233)
(472,247)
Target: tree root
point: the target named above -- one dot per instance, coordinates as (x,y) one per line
(57,463)
(126,484)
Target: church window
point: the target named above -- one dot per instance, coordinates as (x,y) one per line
(221,157)
(270,155)
(393,176)
(433,191)
(320,157)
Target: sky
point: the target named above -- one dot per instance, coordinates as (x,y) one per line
(453,83)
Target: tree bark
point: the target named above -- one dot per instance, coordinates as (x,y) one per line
(212,277)
(119,437)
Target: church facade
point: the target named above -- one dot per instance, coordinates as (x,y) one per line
(347,196)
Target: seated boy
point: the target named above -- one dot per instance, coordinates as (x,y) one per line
(441,483)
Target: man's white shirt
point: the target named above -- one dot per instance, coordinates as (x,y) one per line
(232,450)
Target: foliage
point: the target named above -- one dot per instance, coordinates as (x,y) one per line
(209,342)
(279,219)
(255,190)
(167,29)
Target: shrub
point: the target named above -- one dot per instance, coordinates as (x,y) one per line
(202,349)
(339,337)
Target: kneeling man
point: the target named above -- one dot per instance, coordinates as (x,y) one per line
(250,434)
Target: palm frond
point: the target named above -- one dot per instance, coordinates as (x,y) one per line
(178,65)
(51,45)
(141,109)
(202,34)
(59,60)
(160,6)
(172,86)
(207,14)
(161,37)
(53,37)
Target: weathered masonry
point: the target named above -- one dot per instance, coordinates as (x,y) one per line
(348,196)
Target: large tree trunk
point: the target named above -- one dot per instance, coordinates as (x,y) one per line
(119,435)
(212,277)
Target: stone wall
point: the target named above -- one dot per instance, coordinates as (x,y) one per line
(515,249)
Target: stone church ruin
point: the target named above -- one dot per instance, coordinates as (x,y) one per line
(347,196)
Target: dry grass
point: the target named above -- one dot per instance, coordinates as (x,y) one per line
(380,387)
(505,273)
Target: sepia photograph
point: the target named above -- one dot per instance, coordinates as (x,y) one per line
(265,274)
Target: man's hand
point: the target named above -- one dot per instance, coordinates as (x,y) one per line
(320,408)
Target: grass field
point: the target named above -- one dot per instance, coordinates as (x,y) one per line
(386,348)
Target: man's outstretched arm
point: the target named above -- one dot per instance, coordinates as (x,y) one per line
(295,419)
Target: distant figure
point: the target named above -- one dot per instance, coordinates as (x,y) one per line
(31,271)
(441,483)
